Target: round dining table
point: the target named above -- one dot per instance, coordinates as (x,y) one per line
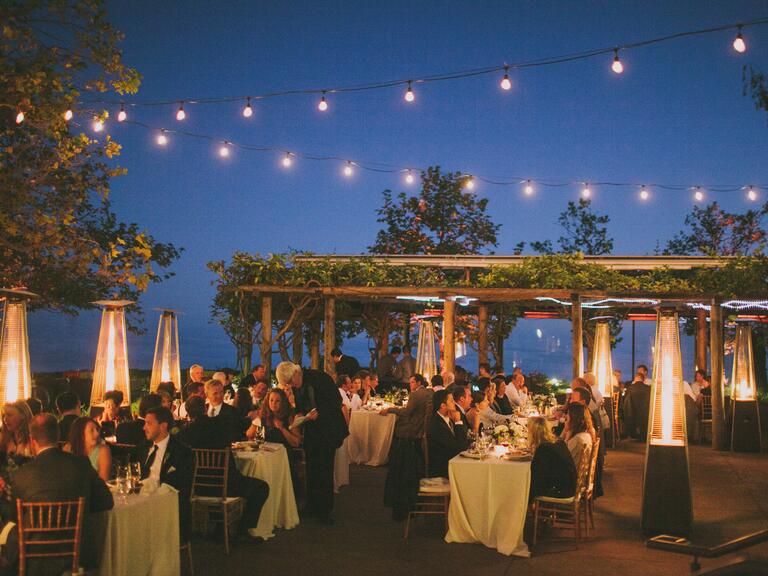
(370,437)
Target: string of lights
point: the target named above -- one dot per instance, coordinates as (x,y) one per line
(617,66)
(349,166)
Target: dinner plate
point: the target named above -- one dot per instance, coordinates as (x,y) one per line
(517,456)
(473,455)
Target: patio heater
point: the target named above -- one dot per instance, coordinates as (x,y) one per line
(166,365)
(667,503)
(602,367)
(111,369)
(426,358)
(15,373)
(745,411)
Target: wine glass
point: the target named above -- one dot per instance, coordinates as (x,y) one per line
(135,474)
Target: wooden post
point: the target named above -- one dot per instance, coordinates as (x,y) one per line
(449,336)
(577,336)
(407,331)
(384,336)
(716,353)
(329,333)
(482,334)
(266,333)
(314,345)
(298,344)
(701,339)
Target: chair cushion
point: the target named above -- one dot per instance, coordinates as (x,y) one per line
(213,500)
(551,500)
(435,485)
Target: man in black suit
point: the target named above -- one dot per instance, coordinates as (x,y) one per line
(462,398)
(344,364)
(637,402)
(259,373)
(446,434)
(324,431)
(53,476)
(205,432)
(167,461)
(215,407)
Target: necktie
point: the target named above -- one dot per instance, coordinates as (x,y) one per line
(212,413)
(450,425)
(150,462)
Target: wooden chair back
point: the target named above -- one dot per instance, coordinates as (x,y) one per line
(582,474)
(706,407)
(592,468)
(211,473)
(50,530)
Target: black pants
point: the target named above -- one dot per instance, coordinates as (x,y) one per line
(255,492)
(320,459)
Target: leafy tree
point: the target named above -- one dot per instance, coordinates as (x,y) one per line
(712,231)
(584,231)
(442,219)
(60,237)
(755,86)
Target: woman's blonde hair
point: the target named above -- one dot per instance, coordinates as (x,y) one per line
(538,432)
(23,433)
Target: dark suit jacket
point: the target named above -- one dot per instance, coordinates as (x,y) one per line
(319,391)
(64,426)
(553,472)
(247,381)
(443,444)
(411,417)
(636,406)
(131,432)
(347,365)
(56,475)
(176,470)
(234,422)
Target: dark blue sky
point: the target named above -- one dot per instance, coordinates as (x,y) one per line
(676,115)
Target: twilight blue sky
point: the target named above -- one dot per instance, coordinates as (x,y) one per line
(676,115)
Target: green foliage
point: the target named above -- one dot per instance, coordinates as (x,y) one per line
(443,219)
(59,236)
(584,231)
(755,85)
(712,231)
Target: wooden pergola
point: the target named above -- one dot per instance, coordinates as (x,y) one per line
(478,300)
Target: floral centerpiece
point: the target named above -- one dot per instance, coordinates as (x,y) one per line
(398,396)
(511,432)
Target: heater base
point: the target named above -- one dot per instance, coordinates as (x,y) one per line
(745,435)
(667,503)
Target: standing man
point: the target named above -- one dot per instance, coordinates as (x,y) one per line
(318,398)
(407,366)
(389,370)
(484,370)
(344,364)
(167,461)
(258,373)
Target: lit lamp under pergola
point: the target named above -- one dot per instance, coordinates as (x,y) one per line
(111,369)
(602,366)
(667,503)
(426,357)
(15,372)
(746,436)
(166,366)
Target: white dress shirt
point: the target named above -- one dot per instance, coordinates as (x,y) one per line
(213,411)
(157,465)
(513,395)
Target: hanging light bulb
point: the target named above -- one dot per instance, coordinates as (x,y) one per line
(248,111)
(68,115)
(180,114)
(506,83)
(224,149)
(751,194)
(698,194)
(287,160)
(617,66)
(162,139)
(20,117)
(469,183)
(528,188)
(121,116)
(409,95)
(738,43)
(644,193)
(409,179)
(348,171)
(98,124)
(323,105)
(586,192)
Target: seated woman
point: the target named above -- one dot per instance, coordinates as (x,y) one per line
(579,431)
(361,392)
(112,416)
(473,414)
(552,470)
(488,418)
(14,436)
(277,417)
(501,404)
(85,440)
(244,404)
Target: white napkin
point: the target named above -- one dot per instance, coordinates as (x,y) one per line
(149,486)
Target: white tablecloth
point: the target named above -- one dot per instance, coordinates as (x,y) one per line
(271,465)
(341,466)
(140,536)
(489,499)
(370,437)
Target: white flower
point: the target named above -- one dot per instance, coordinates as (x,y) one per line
(500,429)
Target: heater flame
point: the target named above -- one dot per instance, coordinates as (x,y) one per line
(667,399)
(110,368)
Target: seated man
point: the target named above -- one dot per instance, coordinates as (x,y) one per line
(205,432)
(446,435)
(167,461)
(55,475)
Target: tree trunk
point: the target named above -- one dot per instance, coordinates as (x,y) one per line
(449,336)
(314,345)
(298,345)
(716,377)
(482,334)
(329,334)
(577,334)
(266,333)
